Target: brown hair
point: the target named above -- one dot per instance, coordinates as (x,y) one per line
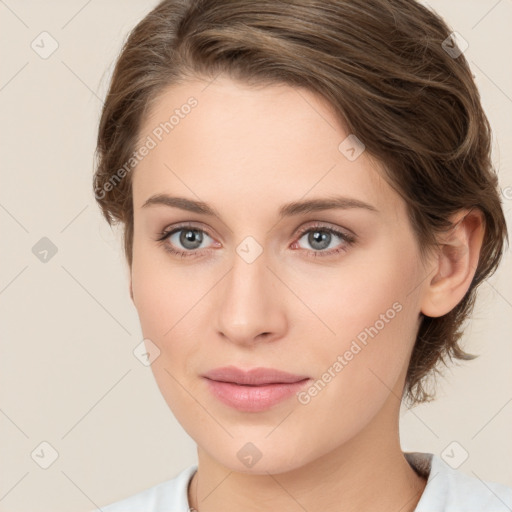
(383,65)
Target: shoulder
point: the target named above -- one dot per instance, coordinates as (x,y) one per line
(166,496)
(451,490)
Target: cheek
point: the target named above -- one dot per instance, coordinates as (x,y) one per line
(162,295)
(164,301)
(372,315)
(169,304)
(366,296)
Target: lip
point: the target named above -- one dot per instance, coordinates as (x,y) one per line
(254,377)
(254,390)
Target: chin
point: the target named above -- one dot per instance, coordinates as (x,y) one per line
(255,455)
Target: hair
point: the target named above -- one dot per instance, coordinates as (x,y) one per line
(385,68)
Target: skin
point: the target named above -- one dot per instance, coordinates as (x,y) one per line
(246,151)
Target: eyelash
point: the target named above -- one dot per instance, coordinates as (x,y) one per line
(346,238)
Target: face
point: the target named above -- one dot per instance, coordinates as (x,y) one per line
(328,293)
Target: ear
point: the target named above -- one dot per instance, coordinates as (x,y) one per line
(455,264)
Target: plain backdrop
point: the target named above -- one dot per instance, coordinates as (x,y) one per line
(68,376)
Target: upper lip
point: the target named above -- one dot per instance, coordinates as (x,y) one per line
(254,377)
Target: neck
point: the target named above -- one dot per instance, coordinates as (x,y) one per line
(369,472)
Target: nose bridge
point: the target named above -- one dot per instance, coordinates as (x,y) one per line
(248,302)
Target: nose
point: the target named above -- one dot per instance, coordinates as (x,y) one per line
(251,305)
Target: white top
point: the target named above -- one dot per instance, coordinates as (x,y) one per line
(447,490)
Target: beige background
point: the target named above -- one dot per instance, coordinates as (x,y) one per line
(68,327)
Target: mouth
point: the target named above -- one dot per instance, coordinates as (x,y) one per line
(254,377)
(255,390)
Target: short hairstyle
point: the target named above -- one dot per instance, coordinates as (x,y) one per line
(386,68)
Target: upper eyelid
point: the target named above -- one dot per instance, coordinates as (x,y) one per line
(174,229)
(326,226)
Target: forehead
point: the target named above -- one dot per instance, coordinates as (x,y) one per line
(227,139)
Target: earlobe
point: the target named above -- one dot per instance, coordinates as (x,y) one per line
(456,263)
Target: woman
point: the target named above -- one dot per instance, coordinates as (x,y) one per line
(308,206)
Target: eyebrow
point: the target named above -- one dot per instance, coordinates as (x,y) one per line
(286,210)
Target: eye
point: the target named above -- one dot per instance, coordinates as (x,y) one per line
(183,240)
(186,240)
(320,238)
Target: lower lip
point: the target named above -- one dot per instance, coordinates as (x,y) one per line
(253,398)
